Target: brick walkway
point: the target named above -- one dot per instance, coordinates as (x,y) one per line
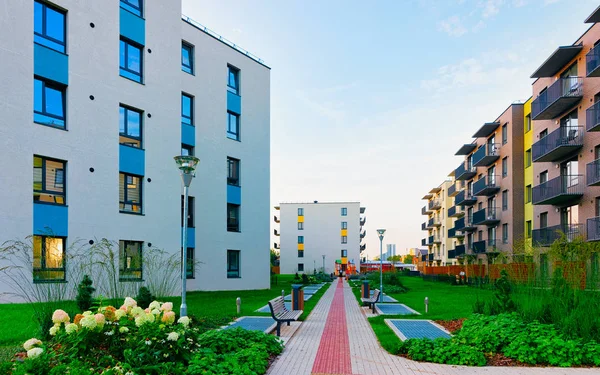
(304,350)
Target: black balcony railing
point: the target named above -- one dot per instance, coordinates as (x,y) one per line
(592,118)
(559,191)
(465,198)
(592,62)
(433,222)
(275,232)
(424,226)
(363,234)
(486,155)
(478,247)
(430,241)
(424,242)
(547,236)
(557,99)
(425,211)
(469,225)
(451,233)
(456,211)
(430,257)
(451,254)
(434,204)
(275,245)
(559,144)
(465,172)
(593,229)
(592,170)
(364,220)
(453,190)
(486,186)
(423,257)
(487,216)
(459,250)
(364,246)
(459,224)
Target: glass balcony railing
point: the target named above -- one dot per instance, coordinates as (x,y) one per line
(465,172)
(434,204)
(465,198)
(557,99)
(592,62)
(592,118)
(486,186)
(547,236)
(593,229)
(559,144)
(487,216)
(486,155)
(562,190)
(592,170)
(478,247)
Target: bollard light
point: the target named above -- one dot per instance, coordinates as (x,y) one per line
(282,293)
(238,302)
(426,305)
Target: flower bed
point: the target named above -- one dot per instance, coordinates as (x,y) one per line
(131,340)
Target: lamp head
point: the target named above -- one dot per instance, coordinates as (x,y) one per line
(187,164)
(380,232)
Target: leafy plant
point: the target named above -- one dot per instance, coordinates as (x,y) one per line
(84,297)
(144,297)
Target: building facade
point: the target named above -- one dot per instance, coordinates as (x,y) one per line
(528,173)
(97,100)
(314,236)
(437,210)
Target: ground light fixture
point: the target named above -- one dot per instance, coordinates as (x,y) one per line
(380,232)
(187,165)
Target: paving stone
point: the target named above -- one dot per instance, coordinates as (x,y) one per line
(416,329)
(254,323)
(394,309)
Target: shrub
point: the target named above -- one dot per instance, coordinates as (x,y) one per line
(84,294)
(144,297)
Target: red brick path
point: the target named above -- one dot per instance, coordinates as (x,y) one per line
(333,356)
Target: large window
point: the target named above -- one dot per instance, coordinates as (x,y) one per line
(134,6)
(190,218)
(344,225)
(130,127)
(233,172)
(130,61)
(344,211)
(505,167)
(49,103)
(233,264)
(233,79)
(49,26)
(504,233)
(528,158)
(300,239)
(130,193)
(300,225)
(187,150)
(344,239)
(187,57)
(189,265)
(233,217)
(48,259)
(187,109)
(300,267)
(49,180)
(233,126)
(130,260)
(300,211)
(504,134)
(505,200)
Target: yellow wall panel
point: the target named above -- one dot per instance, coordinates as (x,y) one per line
(300,246)
(344,232)
(301,219)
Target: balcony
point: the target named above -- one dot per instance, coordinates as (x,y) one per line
(437,240)
(424,242)
(486,130)
(561,96)
(560,191)
(486,186)
(464,172)
(362,210)
(276,219)
(491,246)
(435,204)
(275,232)
(464,198)
(593,173)
(434,222)
(451,254)
(487,216)
(456,211)
(451,233)
(459,250)
(459,224)
(478,247)
(469,225)
(363,221)
(363,247)
(547,236)
(592,118)
(425,211)
(453,190)
(363,234)
(593,229)
(558,145)
(486,155)
(592,62)
(424,226)
(430,257)
(275,245)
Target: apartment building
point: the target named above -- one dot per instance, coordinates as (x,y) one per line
(528,173)
(316,236)
(438,211)
(96,101)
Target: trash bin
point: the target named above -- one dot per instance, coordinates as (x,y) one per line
(365,292)
(297,297)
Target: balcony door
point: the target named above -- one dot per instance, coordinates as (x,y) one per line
(569,128)
(469,189)
(491,145)
(570,177)
(492,237)
(491,175)
(569,218)
(570,81)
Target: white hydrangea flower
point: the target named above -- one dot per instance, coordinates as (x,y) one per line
(54,330)
(173,336)
(154,305)
(70,328)
(88,322)
(34,352)
(123,329)
(185,321)
(31,343)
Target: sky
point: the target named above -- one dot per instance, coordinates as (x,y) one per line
(370,100)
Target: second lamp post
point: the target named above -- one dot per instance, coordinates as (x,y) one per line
(380,232)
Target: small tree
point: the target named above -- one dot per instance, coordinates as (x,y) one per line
(84,294)
(144,297)
(408,259)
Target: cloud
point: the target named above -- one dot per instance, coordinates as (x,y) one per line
(480,25)
(519,3)
(452,26)
(490,7)
(548,2)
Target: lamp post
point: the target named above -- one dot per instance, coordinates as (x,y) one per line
(380,232)
(323,263)
(187,166)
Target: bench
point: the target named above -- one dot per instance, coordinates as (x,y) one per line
(281,314)
(371,301)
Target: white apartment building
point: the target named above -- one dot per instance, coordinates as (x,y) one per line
(96,98)
(316,235)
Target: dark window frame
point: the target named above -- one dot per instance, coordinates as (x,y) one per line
(188,148)
(301,239)
(126,201)
(233,171)
(528,123)
(344,253)
(505,167)
(140,74)
(504,200)
(233,225)
(505,233)
(344,239)
(185,119)
(300,225)
(190,50)
(140,139)
(528,228)
(234,135)
(43,260)
(344,225)
(44,182)
(138,10)
(528,160)
(234,272)
(528,193)
(236,73)
(300,267)
(300,211)
(57,87)
(300,253)
(344,211)
(190,254)
(123,268)
(44,33)
(191,212)
(504,134)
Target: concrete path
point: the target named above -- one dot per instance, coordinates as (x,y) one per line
(319,346)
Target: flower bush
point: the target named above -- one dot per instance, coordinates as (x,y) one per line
(130,340)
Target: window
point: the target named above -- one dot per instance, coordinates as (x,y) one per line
(300,267)
(233,126)
(130,193)
(233,264)
(543,220)
(134,6)
(300,211)
(49,26)
(187,109)
(543,177)
(505,200)
(49,103)
(187,150)
(191,209)
(504,233)
(187,58)
(300,253)
(504,134)
(528,158)
(344,225)
(527,123)
(344,211)
(48,259)
(130,260)
(233,80)
(233,217)
(300,239)
(189,265)
(344,253)
(505,167)
(233,172)
(344,239)
(130,127)
(300,225)
(528,194)
(528,228)
(543,133)
(49,183)
(130,61)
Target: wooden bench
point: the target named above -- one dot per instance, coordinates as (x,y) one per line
(281,314)
(371,301)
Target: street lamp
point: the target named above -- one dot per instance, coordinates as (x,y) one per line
(323,263)
(187,166)
(381,232)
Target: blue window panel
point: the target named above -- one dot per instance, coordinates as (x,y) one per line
(49,26)
(134,6)
(50,64)
(131,160)
(187,109)
(132,27)
(130,61)
(50,219)
(234,103)
(234,194)
(187,58)
(191,237)
(188,135)
(48,103)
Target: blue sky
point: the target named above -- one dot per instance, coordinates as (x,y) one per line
(370,100)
